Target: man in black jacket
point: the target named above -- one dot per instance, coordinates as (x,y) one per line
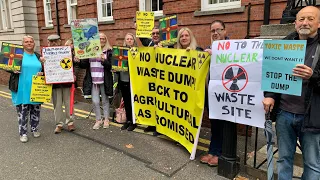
(298,117)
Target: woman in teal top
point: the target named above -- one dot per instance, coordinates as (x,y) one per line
(31,66)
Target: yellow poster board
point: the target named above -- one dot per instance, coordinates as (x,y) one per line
(145,24)
(168,91)
(40,91)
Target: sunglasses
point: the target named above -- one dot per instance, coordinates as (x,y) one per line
(155,33)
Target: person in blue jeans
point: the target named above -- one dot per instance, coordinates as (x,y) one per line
(298,117)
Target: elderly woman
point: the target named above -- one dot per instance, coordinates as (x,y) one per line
(20,86)
(218,32)
(124,84)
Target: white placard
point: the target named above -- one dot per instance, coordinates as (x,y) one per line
(58,67)
(235,82)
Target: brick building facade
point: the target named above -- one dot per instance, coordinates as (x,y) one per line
(116,18)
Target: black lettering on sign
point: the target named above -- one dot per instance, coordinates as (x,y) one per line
(290,77)
(280,86)
(274,75)
(184,79)
(161,90)
(148,100)
(173,60)
(145,113)
(145,56)
(183,96)
(236,111)
(235,97)
(175,127)
(153,72)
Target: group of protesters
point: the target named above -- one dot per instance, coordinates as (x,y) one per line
(297,117)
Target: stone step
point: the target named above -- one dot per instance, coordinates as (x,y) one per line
(262,155)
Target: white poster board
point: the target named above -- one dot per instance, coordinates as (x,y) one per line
(235,82)
(58,66)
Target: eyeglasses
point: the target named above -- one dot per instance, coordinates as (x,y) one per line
(217,30)
(155,33)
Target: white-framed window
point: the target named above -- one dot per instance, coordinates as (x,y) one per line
(72,10)
(152,5)
(211,5)
(47,13)
(104,10)
(5,15)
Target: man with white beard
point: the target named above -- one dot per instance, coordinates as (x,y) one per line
(297,117)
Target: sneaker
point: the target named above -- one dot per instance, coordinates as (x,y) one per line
(71,127)
(24,138)
(58,129)
(150,129)
(204,159)
(106,124)
(97,125)
(36,134)
(213,162)
(125,126)
(132,127)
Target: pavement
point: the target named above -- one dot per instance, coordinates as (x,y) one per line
(98,154)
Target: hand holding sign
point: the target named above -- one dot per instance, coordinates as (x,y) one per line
(303,71)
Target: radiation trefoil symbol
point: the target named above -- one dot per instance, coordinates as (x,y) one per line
(234,78)
(66,63)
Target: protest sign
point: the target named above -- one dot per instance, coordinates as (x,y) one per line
(11,56)
(120,58)
(58,67)
(40,91)
(86,39)
(168,30)
(145,24)
(235,82)
(279,59)
(168,90)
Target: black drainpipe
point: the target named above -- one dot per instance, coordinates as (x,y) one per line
(57,17)
(248,22)
(266,16)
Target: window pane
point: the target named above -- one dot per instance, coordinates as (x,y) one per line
(104,10)
(109,9)
(73,1)
(73,12)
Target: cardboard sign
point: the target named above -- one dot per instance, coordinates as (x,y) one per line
(145,24)
(168,30)
(58,67)
(120,58)
(40,91)
(279,59)
(235,82)
(86,39)
(11,56)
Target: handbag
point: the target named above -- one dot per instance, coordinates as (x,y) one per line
(121,113)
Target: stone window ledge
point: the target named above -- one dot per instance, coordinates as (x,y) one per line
(6,31)
(47,28)
(223,11)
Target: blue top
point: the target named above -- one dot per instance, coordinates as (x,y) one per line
(30,66)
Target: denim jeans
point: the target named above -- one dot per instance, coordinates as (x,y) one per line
(97,90)
(288,127)
(215,147)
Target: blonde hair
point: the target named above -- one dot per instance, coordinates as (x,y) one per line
(107,46)
(193,42)
(69,42)
(27,36)
(134,40)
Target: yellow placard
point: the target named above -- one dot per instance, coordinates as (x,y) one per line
(168,91)
(40,91)
(145,24)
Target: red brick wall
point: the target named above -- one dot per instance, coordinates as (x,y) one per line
(124,12)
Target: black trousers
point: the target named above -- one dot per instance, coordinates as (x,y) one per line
(126,95)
